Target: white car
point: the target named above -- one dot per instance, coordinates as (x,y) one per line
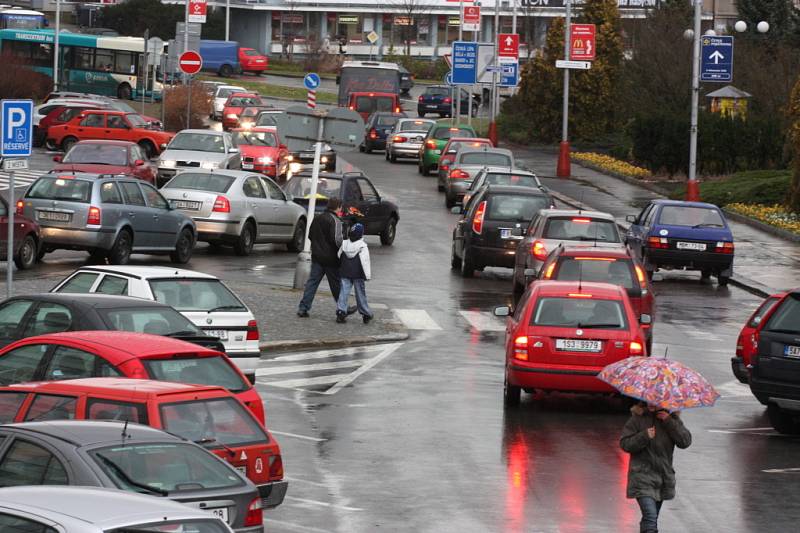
(221,96)
(201,298)
(61,509)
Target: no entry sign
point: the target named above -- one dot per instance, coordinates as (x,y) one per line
(197,11)
(582,42)
(190,62)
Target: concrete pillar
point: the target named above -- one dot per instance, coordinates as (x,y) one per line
(379,31)
(434,35)
(267,37)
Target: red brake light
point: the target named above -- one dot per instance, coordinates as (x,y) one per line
(420,98)
(431,144)
(581,220)
(255,513)
(521,348)
(636,348)
(610,259)
(754,341)
(579,295)
(373,134)
(477,220)
(352,108)
(641,276)
(93,218)
(539,251)
(221,205)
(657,242)
(20,207)
(399,139)
(275,467)
(447,100)
(397,109)
(252,331)
(458,174)
(724,247)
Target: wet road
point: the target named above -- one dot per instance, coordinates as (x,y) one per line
(413,436)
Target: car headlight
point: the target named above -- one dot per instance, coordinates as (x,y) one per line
(232,115)
(294,168)
(323,159)
(209,164)
(266,160)
(290,158)
(166,163)
(246,125)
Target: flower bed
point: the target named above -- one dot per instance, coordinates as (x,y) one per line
(609,164)
(774,215)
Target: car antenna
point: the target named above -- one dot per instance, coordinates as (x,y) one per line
(580,275)
(580,203)
(125,434)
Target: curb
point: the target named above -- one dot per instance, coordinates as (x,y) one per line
(766,228)
(292,345)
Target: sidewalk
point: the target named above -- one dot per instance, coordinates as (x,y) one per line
(763,264)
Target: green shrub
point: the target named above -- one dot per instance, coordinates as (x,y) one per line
(763,187)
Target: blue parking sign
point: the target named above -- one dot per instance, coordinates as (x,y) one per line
(509,74)
(16,122)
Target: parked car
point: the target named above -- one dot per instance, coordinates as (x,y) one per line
(251,60)
(747,342)
(192,149)
(86,354)
(501,176)
(107,157)
(221,57)
(221,95)
(439,99)
(121,455)
(38,314)
(361,201)
(367,103)
(59,114)
(234,107)
(406,80)
(97,101)
(202,298)
(262,151)
(377,128)
(684,235)
(405,139)
(437,137)
(466,164)
(48,509)
(112,125)
(209,416)
(563,333)
(27,238)
(110,217)
(238,208)
(448,155)
(488,232)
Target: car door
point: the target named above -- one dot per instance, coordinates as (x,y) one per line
(27,463)
(135,210)
(234,158)
(165,222)
(637,234)
(23,364)
(259,205)
(375,212)
(13,315)
(92,126)
(283,212)
(117,128)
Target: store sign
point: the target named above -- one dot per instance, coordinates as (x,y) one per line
(402,20)
(292,18)
(454,21)
(349,19)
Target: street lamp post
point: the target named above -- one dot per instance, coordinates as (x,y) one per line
(563,166)
(227,20)
(692,187)
(55,45)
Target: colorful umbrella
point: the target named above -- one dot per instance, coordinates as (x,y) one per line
(664,383)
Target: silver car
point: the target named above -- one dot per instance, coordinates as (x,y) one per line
(466,165)
(221,96)
(51,509)
(237,208)
(191,149)
(109,216)
(501,176)
(406,138)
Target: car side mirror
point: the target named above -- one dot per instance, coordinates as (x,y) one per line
(233,150)
(455,210)
(503,310)
(138,163)
(646,319)
(631,219)
(57,158)
(288,196)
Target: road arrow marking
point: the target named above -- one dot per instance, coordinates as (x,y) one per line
(716,56)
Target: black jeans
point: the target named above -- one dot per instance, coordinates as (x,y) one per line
(314,279)
(650,509)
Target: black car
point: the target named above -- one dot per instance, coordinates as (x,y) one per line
(439,99)
(306,158)
(377,128)
(406,81)
(39,314)
(361,201)
(492,226)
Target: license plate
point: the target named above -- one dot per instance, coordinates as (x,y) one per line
(431,106)
(242,470)
(220,512)
(505,233)
(221,333)
(184,204)
(791,351)
(247,166)
(57,217)
(699,246)
(578,345)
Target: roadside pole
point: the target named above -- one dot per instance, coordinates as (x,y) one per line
(55,44)
(145,76)
(495,96)
(563,167)
(692,187)
(187,78)
(227,20)
(12,205)
(456,113)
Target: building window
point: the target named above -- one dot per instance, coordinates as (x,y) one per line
(350,27)
(448,29)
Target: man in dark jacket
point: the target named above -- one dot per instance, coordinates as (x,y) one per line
(325,235)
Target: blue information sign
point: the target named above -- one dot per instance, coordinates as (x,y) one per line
(716,58)
(16,121)
(311,81)
(465,62)
(509,74)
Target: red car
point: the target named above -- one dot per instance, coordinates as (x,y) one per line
(453,145)
(210,416)
(234,107)
(123,354)
(60,115)
(252,61)
(747,343)
(113,125)
(26,238)
(262,151)
(366,104)
(563,333)
(107,157)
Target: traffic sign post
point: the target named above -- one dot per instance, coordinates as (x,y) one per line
(716,58)
(582,40)
(311,82)
(190,63)
(16,140)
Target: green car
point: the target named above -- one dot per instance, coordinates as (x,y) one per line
(434,142)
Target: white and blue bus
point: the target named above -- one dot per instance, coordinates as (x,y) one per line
(110,66)
(21,19)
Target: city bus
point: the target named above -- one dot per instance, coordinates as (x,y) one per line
(21,19)
(366,77)
(110,66)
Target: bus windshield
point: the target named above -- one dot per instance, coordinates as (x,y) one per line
(356,79)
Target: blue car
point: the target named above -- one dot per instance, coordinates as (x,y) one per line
(683,235)
(377,129)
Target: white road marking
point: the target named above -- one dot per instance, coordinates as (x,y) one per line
(322,504)
(306,481)
(305,368)
(296,436)
(21,178)
(782,471)
(417,319)
(305,382)
(372,362)
(322,354)
(483,321)
(733,389)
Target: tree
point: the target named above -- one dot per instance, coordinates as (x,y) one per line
(135,16)
(780,14)
(794,137)
(411,11)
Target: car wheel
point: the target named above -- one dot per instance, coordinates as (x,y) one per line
(225,71)
(455,261)
(50,145)
(367,149)
(449,201)
(98,255)
(148,148)
(68,143)
(183,247)
(467,266)
(705,274)
(393,158)
(26,256)
(389,232)
(247,238)
(120,253)
(420,167)
(361,148)
(723,280)
(511,394)
(299,237)
(783,421)
(124,91)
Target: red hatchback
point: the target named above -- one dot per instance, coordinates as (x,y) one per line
(234,107)
(107,157)
(209,416)
(747,343)
(563,333)
(60,356)
(262,151)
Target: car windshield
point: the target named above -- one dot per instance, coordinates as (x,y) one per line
(97,154)
(219,420)
(579,228)
(387,120)
(600,269)
(242,101)
(515,208)
(200,182)
(213,370)
(485,159)
(194,525)
(579,312)
(171,467)
(438,91)
(137,121)
(679,215)
(445,133)
(201,142)
(266,119)
(520,180)
(196,295)
(415,125)
(160,320)
(256,138)
(61,188)
(786,318)
(227,91)
(300,187)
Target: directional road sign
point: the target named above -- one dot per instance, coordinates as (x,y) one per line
(448,77)
(717,58)
(509,75)
(190,62)
(465,62)
(582,42)
(16,121)
(579,65)
(311,81)
(508,45)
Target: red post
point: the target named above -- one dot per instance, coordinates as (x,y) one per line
(563,167)
(493,132)
(692,191)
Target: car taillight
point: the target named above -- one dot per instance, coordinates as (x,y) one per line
(581,220)
(458,174)
(447,100)
(636,348)
(255,513)
(252,331)
(579,295)
(20,207)
(640,275)
(275,467)
(539,251)
(399,139)
(420,98)
(431,145)
(477,220)
(549,272)
(521,348)
(657,242)
(221,205)
(754,341)
(724,247)
(373,134)
(352,108)
(398,109)
(93,218)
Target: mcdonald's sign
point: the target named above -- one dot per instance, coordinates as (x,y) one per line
(582,42)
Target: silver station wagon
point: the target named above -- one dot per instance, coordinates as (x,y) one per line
(237,208)
(111,217)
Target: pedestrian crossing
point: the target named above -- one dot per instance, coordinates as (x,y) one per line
(22,178)
(421,320)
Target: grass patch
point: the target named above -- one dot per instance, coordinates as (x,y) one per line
(277,91)
(761,187)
